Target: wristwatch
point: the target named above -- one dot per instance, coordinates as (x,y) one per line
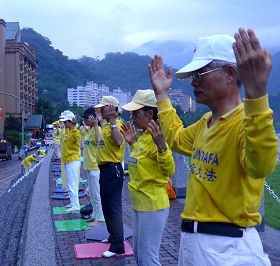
(162,151)
(113,126)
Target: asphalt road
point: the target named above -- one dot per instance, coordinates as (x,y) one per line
(15,192)
(8,171)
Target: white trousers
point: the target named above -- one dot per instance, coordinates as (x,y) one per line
(72,177)
(94,194)
(56,151)
(202,249)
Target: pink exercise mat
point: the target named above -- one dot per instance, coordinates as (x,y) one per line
(95,250)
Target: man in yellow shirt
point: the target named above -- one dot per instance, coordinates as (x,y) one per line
(71,160)
(90,165)
(110,154)
(232,148)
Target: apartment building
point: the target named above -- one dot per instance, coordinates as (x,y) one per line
(123,96)
(87,96)
(18,72)
(178,97)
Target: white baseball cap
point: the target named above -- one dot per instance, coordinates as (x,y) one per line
(214,47)
(69,117)
(63,114)
(107,100)
(140,99)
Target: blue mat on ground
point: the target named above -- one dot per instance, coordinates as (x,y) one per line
(60,190)
(63,196)
(54,169)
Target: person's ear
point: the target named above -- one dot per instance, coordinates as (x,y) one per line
(231,74)
(150,114)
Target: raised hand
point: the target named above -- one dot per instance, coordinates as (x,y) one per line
(98,114)
(111,114)
(93,121)
(157,135)
(129,133)
(254,63)
(160,82)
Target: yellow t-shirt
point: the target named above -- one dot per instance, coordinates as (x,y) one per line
(27,162)
(149,173)
(83,133)
(107,151)
(56,136)
(90,150)
(71,146)
(228,161)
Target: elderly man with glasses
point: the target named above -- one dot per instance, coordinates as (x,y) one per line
(232,148)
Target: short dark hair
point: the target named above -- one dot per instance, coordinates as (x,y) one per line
(154,109)
(220,63)
(88,112)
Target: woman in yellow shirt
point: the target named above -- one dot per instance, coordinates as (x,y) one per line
(150,165)
(90,165)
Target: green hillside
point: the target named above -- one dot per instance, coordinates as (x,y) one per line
(56,72)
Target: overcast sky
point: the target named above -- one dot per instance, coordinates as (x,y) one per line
(95,27)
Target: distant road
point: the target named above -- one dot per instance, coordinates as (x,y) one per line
(8,171)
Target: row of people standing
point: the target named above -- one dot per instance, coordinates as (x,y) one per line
(225,186)
(150,165)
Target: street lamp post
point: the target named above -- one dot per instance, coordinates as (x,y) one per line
(22,114)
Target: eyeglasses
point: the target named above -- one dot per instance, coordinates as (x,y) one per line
(196,76)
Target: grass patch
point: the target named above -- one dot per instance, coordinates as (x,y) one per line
(272,207)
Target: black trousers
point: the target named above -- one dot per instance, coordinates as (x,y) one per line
(111,183)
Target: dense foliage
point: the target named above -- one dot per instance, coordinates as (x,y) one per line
(56,73)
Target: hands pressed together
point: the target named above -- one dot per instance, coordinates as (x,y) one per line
(98,115)
(130,135)
(111,113)
(93,121)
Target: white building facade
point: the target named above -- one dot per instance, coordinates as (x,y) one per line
(123,96)
(87,96)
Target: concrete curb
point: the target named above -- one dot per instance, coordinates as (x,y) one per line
(40,243)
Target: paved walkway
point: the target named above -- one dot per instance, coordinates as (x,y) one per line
(64,241)
(40,240)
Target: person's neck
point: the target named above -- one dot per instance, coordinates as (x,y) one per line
(222,108)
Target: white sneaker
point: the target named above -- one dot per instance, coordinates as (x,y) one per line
(68,206)
(105,241)
(72,209)
(108,254)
